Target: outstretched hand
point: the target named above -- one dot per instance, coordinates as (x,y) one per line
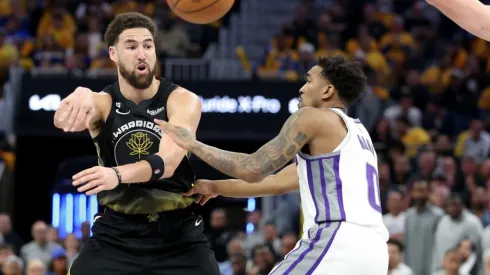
(204,191)
(76,111)
(183,137)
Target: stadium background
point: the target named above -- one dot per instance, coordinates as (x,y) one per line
(426,105)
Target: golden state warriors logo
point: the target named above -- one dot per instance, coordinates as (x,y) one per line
(135,145)
(139,143)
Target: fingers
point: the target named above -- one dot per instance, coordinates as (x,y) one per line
(79,122)
(64,109)
(84,173)
(198,198)
(100,188)
(71,118)
(66,114)
(162,123)
(205,200)
(90,185)
(86,179)
(202,199)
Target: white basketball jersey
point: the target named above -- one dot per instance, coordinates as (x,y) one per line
(342,186)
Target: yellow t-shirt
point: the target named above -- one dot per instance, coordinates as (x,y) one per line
(415,138)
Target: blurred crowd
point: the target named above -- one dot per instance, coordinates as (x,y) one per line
(69,34)
(46,254)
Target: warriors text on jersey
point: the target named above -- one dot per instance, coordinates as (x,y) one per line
(342,186)
(129,135)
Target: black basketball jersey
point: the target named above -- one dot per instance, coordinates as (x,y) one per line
(128,135)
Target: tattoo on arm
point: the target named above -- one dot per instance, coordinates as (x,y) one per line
(269,158)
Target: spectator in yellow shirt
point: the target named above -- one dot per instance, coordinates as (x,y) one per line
(354,44)
(56,20)
(328,45)
(397,34)
(412,137)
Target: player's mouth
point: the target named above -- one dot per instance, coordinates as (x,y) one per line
(300,94)
(142,68)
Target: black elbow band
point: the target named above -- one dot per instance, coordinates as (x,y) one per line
(157,166)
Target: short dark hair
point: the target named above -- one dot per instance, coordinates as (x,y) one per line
(396,243)
(347,77)
(126,21)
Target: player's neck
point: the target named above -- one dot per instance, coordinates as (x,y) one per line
(138,95)
(335,105)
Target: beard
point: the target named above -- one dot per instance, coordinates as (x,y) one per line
(138,82)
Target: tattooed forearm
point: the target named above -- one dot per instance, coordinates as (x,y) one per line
(237,165)
(269,158)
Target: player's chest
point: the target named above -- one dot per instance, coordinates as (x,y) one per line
(134,138)
(130,120)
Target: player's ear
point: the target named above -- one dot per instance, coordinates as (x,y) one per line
(328,92)
(113,54)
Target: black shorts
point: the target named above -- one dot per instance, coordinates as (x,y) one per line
(165,243)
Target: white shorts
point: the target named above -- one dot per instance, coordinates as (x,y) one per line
(337,249)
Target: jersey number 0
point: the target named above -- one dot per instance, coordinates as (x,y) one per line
(373,187)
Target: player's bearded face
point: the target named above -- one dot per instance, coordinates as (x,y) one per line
(135,79)
(135,57)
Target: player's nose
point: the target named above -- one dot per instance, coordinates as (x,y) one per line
(141,55)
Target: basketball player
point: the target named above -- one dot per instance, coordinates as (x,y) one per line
(146,226)
(335,170)
(471,15)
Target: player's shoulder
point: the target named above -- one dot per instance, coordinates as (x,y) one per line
(181,93)
(312,114)
(103,98)
(317,118)
(180,96)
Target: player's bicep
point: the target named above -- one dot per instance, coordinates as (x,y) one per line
(297,131)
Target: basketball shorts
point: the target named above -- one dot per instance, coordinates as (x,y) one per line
(337,248)
(169,243)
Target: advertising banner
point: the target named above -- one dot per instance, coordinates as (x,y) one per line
(231,110)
